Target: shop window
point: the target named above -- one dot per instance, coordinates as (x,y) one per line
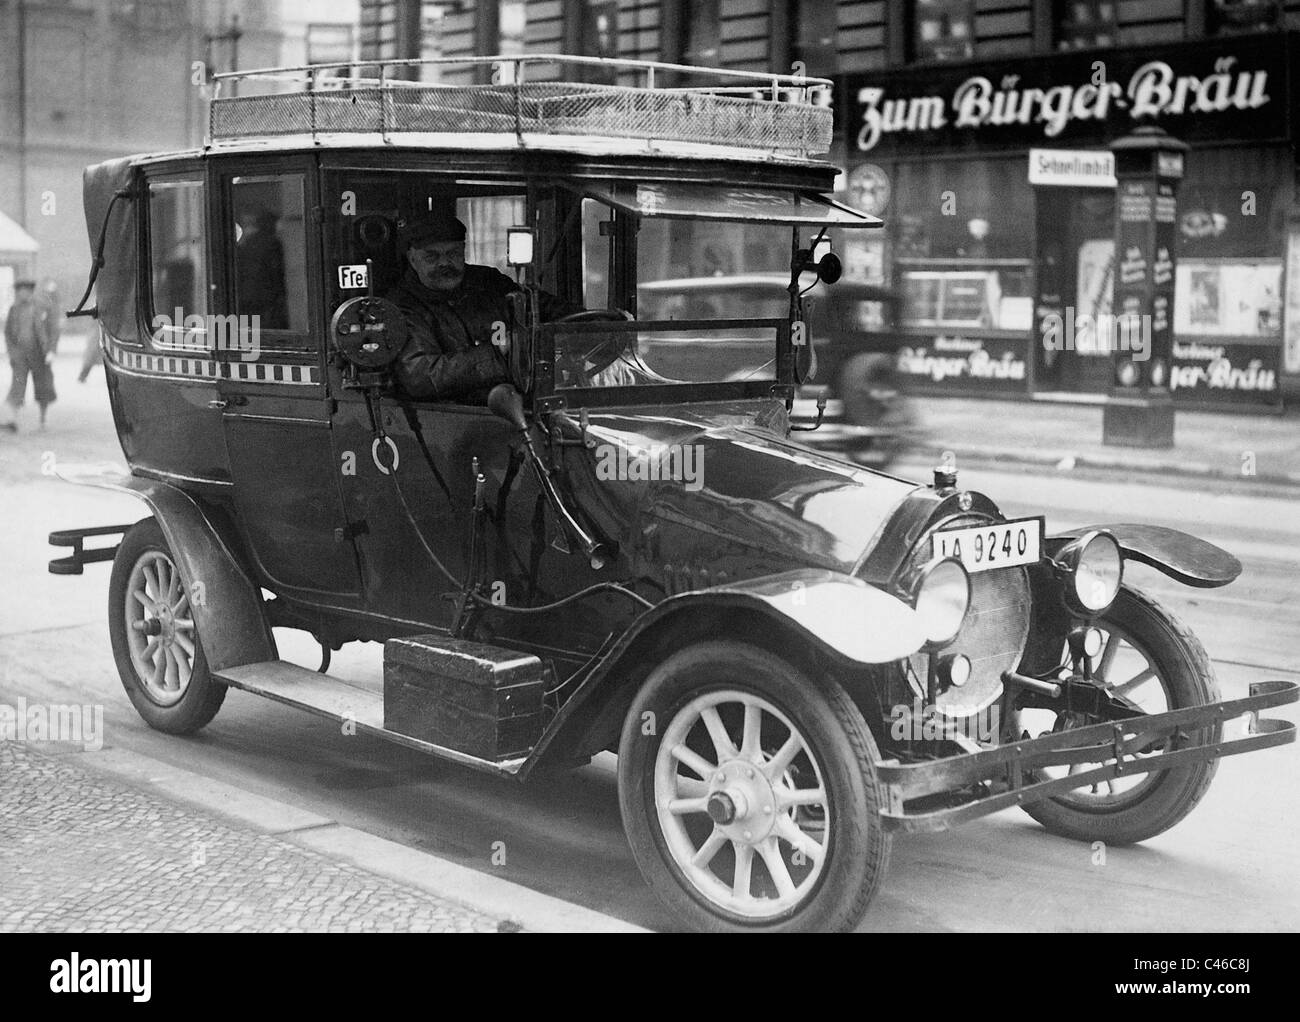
(943,29)
(1085,24)
(815,28)
(270,279)
(702,33)
(177,259)
(966,209)
(599,35)
(1232,214)
(513,26)
(1230,17)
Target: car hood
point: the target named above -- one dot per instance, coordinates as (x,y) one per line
(713,493)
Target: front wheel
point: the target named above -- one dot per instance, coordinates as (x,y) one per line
(748,793)
(155,640)
(1153,660)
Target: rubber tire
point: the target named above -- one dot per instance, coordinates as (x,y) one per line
(1181,660)
(204,696)
(829,721)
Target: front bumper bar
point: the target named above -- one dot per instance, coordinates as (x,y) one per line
(990,780)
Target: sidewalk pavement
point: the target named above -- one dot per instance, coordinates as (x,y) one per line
(1241,447)
(98,842)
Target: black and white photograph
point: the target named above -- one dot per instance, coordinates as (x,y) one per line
(651,466)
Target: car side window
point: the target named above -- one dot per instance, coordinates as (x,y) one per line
(178,261)
(486,219)
(270,251)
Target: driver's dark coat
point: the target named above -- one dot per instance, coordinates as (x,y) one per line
(450,353)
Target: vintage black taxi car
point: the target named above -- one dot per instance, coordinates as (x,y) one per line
(622,545)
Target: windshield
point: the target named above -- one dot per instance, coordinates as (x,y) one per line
(711,304)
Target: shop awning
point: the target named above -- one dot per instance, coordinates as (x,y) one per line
(13,239)
(685,201)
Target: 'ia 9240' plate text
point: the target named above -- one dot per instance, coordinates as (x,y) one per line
(985,547)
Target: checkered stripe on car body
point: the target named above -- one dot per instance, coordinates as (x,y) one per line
(205,368)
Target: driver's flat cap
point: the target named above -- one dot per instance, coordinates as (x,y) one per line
(432,228)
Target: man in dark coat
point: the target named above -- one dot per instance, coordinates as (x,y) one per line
(29,340)
(452,310)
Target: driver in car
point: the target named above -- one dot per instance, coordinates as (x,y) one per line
(451,309)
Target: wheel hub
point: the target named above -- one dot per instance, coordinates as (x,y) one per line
(165,622)
(741,802)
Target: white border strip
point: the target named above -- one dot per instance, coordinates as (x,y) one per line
(210,369)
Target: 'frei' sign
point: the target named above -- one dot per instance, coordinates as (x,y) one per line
(1229,89)
(1078,168)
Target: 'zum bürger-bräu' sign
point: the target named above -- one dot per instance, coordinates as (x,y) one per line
(1234,89)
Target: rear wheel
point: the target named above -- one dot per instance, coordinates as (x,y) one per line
(155,641)
(1151,659)
(748,793)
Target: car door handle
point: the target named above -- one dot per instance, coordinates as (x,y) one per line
(232,399)
(218,402)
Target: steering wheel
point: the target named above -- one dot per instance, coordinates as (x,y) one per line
(605,351)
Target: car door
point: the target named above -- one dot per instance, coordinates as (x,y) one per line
(272,392)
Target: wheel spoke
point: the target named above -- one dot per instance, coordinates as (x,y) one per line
(800,841)
(788,797)
(1107,656)
(173,678)
(143,600)
(779,763)
(1134,682)
(159,667)
(150,648)
(682,806)
(742,881)
(173,583)
(183,624)
(185,642)
(709,849)
(751,741)
(771,853)
(693,761)
(182,605)
(691,787)
(185,665)
(722,744)
(150,579)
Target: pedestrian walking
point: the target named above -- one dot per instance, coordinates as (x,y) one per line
(29,339)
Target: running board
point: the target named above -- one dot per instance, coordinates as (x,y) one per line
(330,697)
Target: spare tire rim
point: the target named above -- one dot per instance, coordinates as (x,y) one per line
(160,632)
(742,805)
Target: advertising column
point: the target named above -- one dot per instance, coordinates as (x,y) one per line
(1140,411)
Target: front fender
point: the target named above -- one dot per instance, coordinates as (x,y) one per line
(846,617)
(1190,560)
(229,616)
(842,618)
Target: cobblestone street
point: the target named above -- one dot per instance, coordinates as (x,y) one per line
(80,852)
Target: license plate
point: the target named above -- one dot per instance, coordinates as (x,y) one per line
(985,547)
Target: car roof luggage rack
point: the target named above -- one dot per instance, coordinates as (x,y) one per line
(769,114)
